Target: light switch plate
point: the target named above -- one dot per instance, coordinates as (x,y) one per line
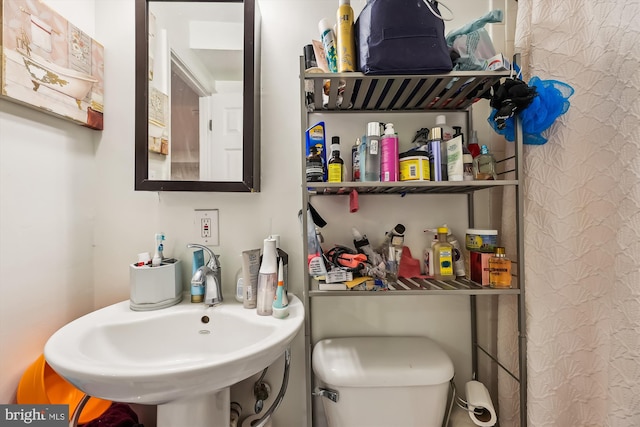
(206,227)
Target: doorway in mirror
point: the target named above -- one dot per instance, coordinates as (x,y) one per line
(185,137)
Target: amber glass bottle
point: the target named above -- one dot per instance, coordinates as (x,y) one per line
(499,269)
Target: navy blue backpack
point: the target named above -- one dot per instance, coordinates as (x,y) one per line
(401,37)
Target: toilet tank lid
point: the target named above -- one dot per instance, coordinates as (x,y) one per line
(381,362)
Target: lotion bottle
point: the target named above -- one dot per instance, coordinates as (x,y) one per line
(267,278)
(346,37)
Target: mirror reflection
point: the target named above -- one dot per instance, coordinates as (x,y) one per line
(200,121)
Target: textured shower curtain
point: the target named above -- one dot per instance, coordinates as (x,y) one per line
(582,220)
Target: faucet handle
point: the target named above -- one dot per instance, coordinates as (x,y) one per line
(213,262)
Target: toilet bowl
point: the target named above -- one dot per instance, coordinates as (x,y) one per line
(382,381)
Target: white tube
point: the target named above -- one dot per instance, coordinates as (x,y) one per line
(455,164)
(250,269)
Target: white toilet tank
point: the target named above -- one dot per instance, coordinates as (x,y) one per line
(383,381)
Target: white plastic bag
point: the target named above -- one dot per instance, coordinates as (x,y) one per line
(473,43)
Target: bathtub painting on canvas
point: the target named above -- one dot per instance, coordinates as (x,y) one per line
(50,64)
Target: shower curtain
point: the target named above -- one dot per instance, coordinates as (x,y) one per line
(581,220)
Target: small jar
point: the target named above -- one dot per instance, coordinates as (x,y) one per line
(499,269)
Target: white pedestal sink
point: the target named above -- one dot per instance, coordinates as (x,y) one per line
(182,358)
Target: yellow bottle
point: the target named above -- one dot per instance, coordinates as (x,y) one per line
(443,257)
(346,38)
(499,269)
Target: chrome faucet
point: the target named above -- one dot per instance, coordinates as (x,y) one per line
(209,276)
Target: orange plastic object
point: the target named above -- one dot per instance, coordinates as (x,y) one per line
(41,385)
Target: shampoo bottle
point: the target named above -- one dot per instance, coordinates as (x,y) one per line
(267,278)
(389,155)
(346,37)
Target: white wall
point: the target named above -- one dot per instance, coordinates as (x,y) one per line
(47,214)
(67,196)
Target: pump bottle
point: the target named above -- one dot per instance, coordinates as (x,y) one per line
(389,155)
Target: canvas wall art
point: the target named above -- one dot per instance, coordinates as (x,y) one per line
(50,64)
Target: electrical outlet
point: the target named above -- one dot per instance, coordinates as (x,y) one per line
(207,227)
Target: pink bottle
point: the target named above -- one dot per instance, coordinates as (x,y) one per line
(389,155)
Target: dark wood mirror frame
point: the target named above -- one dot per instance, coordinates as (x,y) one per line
(251,107)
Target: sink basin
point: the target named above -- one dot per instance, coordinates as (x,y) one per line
(172,354)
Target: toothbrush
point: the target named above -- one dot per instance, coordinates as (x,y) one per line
(280,303)
(158,255)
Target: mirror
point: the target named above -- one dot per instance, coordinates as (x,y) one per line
(197,95)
